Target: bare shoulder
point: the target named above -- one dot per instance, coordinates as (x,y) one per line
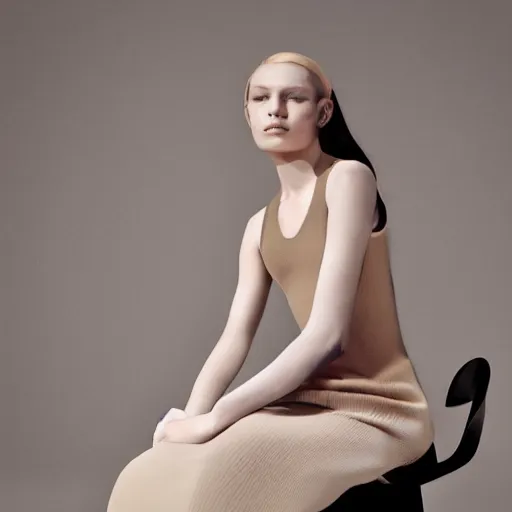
(351,182)
(352,170)
(256,225)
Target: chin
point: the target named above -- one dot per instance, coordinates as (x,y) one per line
(277,145)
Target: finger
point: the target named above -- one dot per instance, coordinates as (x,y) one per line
(170,415)
(159,432)
(173,417)
(177,412)
(166,415)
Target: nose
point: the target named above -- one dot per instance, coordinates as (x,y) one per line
(276,108)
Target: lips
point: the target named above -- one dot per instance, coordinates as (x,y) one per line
(280,126)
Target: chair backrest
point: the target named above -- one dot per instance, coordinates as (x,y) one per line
(470,384)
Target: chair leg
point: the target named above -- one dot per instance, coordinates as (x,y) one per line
(379,496)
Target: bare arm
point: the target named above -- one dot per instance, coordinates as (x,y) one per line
(350,196)
(244,317)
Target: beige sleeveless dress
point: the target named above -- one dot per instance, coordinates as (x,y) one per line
(358,417)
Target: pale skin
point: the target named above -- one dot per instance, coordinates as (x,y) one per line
(285,93)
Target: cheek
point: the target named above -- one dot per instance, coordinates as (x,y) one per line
(254,109)
(302,116)
(303,128)
(306,115)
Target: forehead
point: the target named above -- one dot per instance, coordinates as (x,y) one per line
(281,75)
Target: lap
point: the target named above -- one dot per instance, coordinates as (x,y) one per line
(292,456)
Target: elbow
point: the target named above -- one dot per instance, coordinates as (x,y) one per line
(335,336)
(328,354)
(331,338)
(336,348)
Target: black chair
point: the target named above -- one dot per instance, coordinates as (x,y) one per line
(402,493)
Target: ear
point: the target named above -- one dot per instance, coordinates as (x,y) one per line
(325,109)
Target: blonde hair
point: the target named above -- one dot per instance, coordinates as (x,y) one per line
(324,85)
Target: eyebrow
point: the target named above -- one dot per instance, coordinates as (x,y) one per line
(291,88)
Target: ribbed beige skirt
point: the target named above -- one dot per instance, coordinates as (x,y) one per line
(285,458)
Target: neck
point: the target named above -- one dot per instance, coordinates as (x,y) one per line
(297,171)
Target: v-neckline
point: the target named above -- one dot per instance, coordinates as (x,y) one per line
(308,210)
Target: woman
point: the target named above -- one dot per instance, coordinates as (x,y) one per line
(341,405)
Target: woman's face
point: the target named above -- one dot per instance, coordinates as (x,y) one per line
(283,93)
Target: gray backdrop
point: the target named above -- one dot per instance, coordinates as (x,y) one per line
(128,174)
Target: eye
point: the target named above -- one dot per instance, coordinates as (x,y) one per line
(298,99)
(259,98)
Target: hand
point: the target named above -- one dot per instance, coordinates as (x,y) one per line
(172,415)
(193,430)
